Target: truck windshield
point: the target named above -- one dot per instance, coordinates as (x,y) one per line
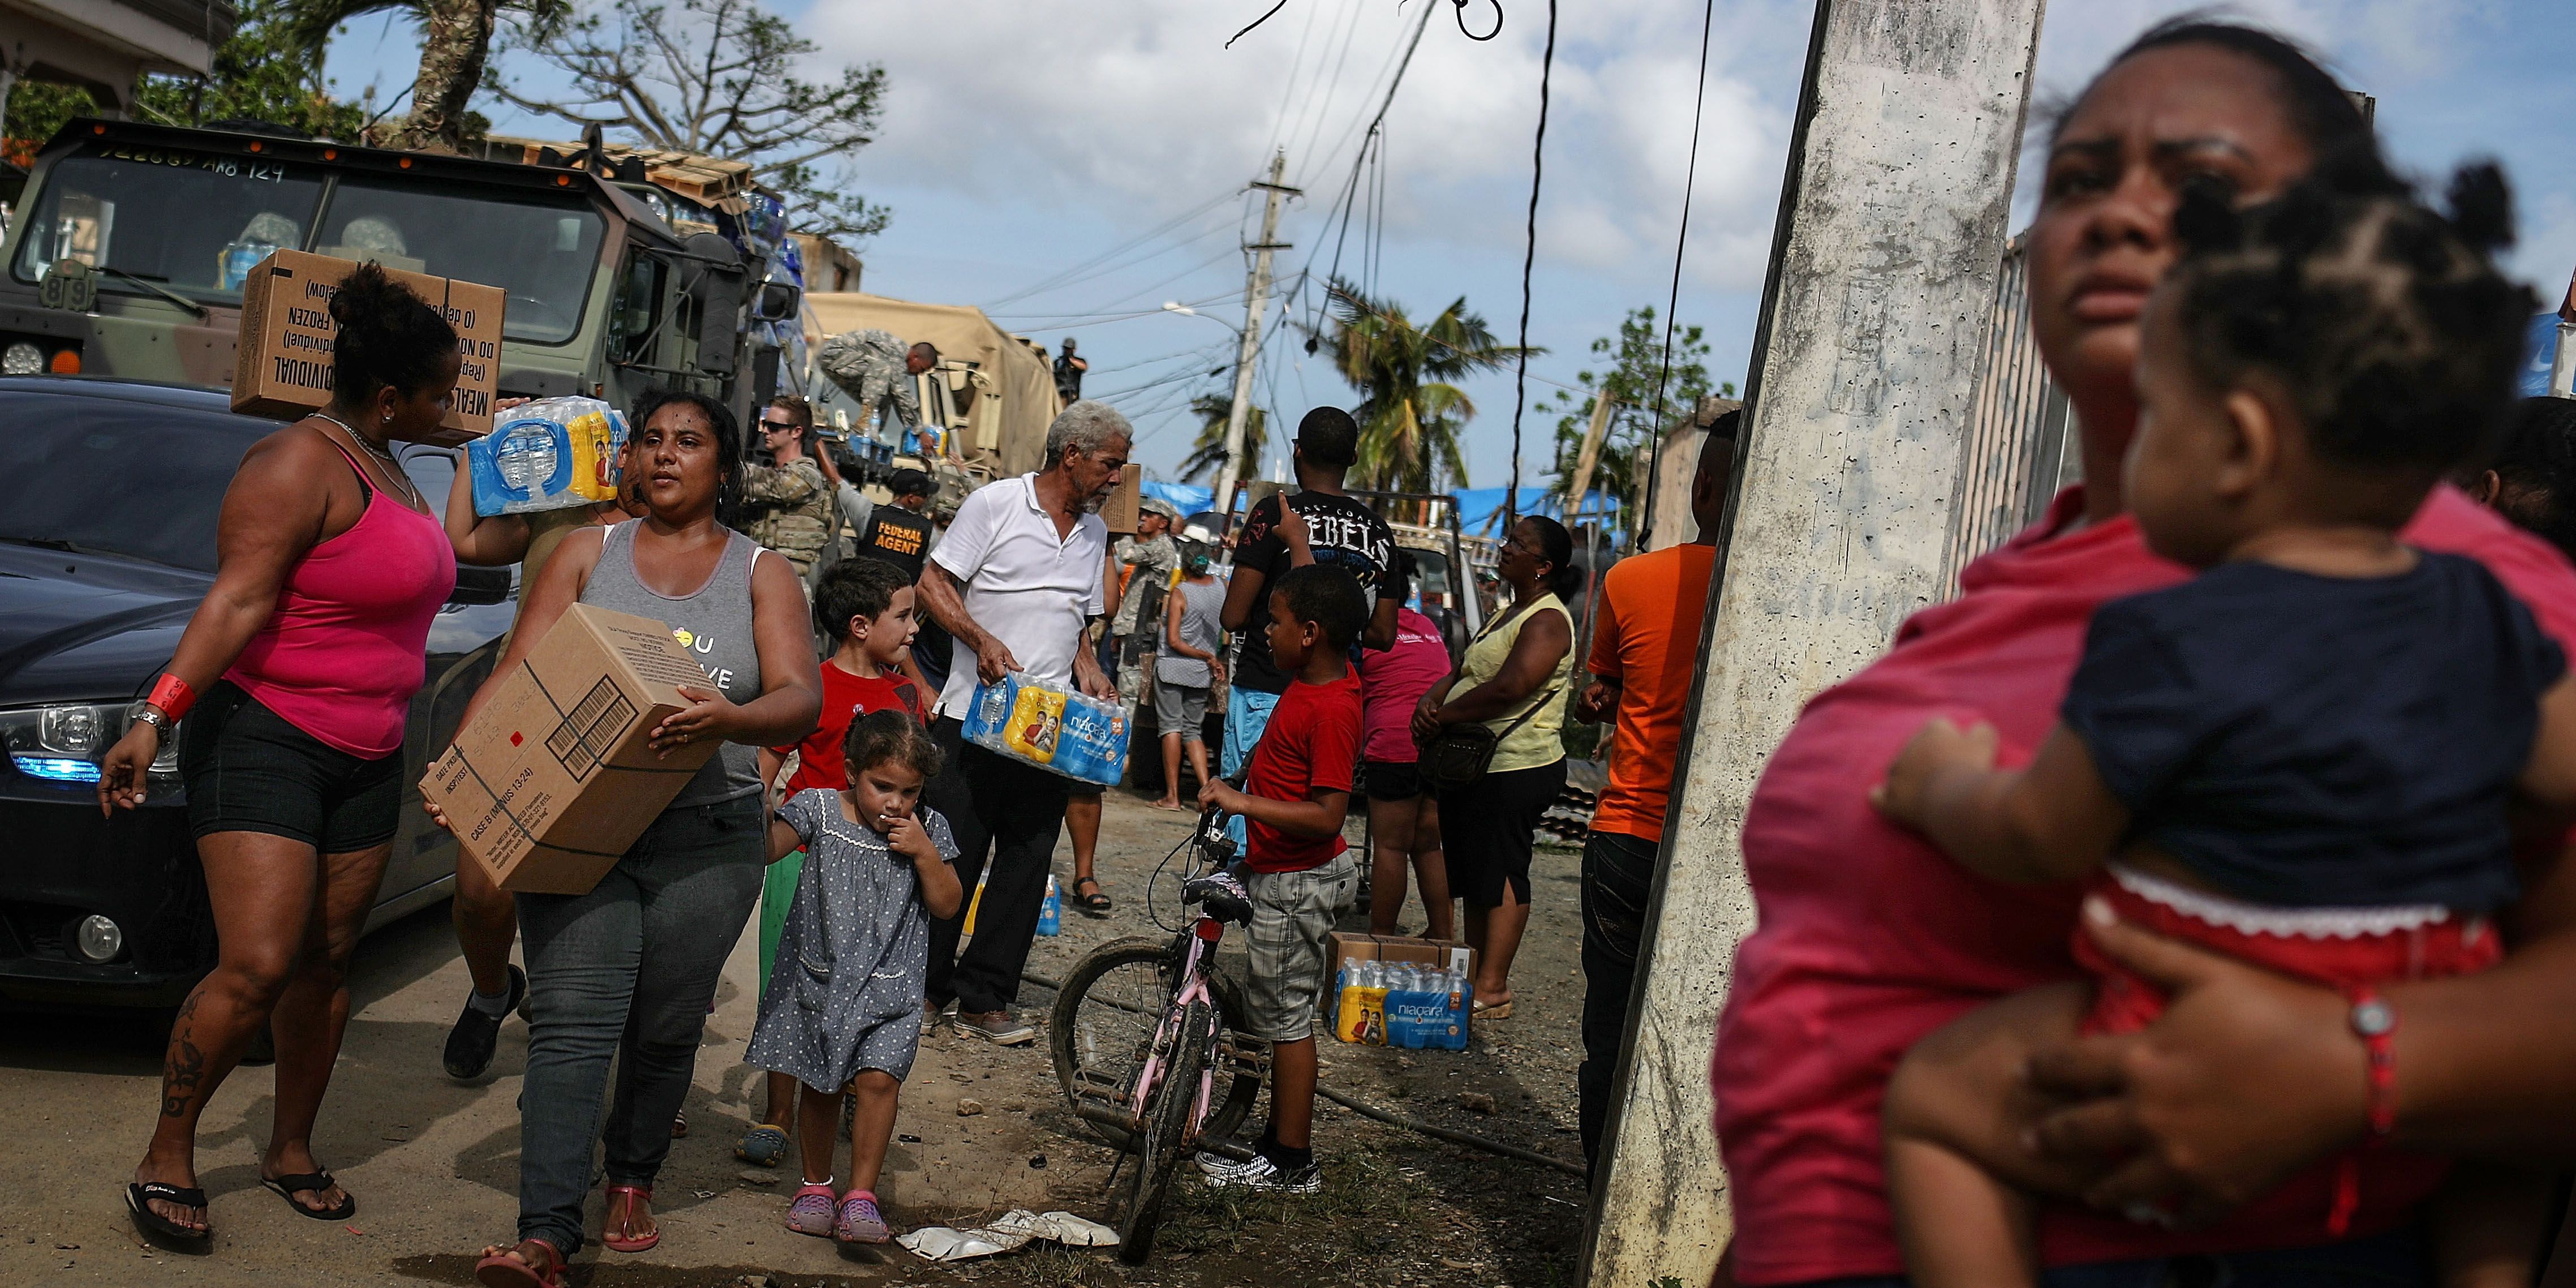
(543,253)
(193,222)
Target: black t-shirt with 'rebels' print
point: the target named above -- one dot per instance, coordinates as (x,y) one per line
(1340,531)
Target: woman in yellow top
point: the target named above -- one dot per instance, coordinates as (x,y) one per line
(1511,681)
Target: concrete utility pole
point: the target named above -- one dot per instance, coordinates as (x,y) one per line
(1883,271)
(1256,298)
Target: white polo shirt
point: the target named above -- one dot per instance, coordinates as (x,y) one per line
(1026,587)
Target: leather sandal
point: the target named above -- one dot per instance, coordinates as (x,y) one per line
(623,1243)
(501,1267)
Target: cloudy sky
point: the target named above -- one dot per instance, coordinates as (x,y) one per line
(1071,167)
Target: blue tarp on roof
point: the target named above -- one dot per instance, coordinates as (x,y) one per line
(2544,346)
(1480,508)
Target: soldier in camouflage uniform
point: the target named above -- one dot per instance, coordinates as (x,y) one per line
(876,369)
(790,504)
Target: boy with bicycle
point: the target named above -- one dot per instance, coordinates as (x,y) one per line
(1297,787)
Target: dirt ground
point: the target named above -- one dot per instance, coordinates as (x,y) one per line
(434,1163)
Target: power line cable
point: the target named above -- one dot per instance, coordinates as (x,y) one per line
(1051,282)
(1672,304)
(1529,256)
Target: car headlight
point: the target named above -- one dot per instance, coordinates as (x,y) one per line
(21,359)
(64,742)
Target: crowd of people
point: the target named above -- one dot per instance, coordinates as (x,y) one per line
(2177,900)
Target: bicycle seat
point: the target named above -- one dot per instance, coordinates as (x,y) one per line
(1221,894)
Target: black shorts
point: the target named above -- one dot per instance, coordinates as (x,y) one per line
(1391,780)
(1083,787)
(1488,827)
(248,770)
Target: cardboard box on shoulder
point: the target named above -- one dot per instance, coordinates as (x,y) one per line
(282,367)
(555,777)
(1400,991)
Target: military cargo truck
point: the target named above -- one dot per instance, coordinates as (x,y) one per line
(130,244)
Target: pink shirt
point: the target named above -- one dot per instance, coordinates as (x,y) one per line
(1869,938)
(1392,682)
(342,655)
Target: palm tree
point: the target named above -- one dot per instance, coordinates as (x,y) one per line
(455,42)
(1207,453)
(1410,415)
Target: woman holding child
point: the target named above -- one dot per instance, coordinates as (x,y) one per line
(1871,939)
(679,897)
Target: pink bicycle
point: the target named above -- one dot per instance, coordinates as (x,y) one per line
(1147,1048)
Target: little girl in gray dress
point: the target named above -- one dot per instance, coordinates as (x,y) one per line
(843,1008)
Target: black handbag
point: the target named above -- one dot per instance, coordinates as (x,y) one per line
(1463,752)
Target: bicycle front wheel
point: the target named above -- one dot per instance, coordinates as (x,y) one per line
(1168,1111)
(1103,1024)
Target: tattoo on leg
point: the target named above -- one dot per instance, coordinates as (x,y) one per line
(185,1072)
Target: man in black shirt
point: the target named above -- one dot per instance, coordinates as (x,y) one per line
(1068,374)
(1337,530)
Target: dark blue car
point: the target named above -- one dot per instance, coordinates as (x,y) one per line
(109,492)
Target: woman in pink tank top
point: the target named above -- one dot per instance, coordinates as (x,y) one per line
(307,652)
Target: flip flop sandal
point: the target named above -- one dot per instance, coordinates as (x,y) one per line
(138,1198)
(1094,903)
(502,1270)
(811,1211)
(621,1243)
(1501,1010)
(679,1125)
(762,1146)
(287,1187)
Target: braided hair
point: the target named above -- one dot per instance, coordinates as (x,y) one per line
(2385,323)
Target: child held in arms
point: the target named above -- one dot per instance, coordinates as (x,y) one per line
(2305,757)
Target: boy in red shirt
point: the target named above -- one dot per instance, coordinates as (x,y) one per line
(1297,788)
(866,607)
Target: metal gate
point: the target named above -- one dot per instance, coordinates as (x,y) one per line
(2022,445)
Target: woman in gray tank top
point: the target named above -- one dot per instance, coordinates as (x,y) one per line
(627,971)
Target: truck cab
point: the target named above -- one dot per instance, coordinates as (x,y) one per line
(131,243)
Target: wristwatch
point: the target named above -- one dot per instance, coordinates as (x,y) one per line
(152,716)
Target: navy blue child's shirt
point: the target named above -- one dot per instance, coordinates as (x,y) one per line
(2309,741)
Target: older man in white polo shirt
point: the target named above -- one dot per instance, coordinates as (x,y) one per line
(1016,581)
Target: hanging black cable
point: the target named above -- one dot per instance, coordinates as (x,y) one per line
(1529,259)
(1690,174)
(1462,20)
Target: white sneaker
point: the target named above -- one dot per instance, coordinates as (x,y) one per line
(1259,1174)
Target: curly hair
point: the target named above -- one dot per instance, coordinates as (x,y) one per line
(386,337)
(2385,323)
(881,736)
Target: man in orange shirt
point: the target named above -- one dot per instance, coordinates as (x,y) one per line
(1645,649)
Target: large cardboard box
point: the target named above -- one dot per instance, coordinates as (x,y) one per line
(1126,506)
(555,777)
(282,367)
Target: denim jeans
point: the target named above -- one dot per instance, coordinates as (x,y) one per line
(1247,714)
(2397,1259)
(1011,814)
(625,973)
(1618,879)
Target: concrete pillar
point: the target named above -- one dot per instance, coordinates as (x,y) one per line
(1883,276)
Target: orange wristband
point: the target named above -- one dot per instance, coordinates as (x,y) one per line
(172,695)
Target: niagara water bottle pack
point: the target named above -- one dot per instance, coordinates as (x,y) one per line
(1050,727)
(550,454)
(1398,991)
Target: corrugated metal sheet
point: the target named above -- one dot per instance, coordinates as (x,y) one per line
(2022,443)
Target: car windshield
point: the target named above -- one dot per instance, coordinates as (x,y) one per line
(543,252)
(116,476)
(188,221)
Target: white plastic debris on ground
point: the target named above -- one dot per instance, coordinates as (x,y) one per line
(1008,1233)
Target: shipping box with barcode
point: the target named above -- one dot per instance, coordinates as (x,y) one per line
(556,776)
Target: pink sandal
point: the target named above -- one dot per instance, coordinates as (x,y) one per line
(859,1220)
(501,1269)
(619,1242)
(811,1211)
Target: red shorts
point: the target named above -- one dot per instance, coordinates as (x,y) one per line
(2339,948)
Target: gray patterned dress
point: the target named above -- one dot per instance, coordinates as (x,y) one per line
(845,993)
